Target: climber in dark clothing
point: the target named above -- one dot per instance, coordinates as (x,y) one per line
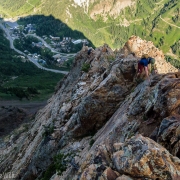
(143,65)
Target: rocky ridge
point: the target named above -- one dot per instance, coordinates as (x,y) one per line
(94,126)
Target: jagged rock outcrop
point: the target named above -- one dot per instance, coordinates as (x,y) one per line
(169,134)
(142,157)
(103,8)
(113,8)
(144,103)
(139,157)
(97,110)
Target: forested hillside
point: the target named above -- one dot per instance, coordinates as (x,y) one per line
(22,79)
(155,20)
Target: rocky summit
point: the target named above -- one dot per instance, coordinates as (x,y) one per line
(103,124)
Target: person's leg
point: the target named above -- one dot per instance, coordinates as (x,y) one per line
(139,72)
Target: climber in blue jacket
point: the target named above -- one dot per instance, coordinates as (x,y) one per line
(143,65)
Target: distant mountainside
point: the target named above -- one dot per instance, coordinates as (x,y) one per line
(20,79)
(111,22)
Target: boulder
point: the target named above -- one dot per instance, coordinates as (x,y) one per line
(144,158)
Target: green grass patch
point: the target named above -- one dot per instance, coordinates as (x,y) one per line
(85,67)
(43,82)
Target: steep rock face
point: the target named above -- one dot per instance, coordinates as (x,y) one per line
(150,102)
(103,85)
(169,133)
(76,110)
(83,103)
(103,8)
(113,8)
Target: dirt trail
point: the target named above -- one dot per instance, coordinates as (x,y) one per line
(31,107)
(169,23)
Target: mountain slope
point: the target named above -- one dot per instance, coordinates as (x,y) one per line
(112,22)
(17,76)
(95,112)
